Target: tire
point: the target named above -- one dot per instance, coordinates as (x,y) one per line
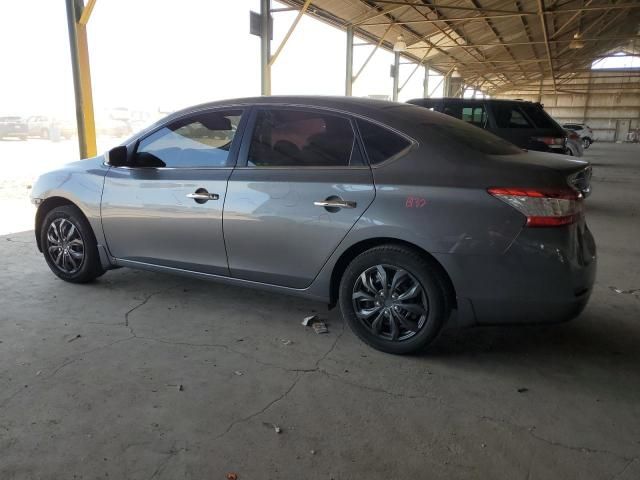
(377,329)
(586,142)
(63,257)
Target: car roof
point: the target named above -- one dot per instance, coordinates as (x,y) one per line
(383,111)
(347,103)
(366,107)
(470,100)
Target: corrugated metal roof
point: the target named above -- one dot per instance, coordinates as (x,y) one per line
(493,44)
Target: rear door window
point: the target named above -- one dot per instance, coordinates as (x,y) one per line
(453,110)
(510,116)
(475,115)
(299,138)
(381,143)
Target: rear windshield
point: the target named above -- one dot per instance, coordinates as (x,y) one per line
(539,117)
(453,131)
(475,138)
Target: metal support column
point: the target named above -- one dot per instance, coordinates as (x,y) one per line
(425,83)
(448,84)
(348,81)
(540,89)
(265,47)
(396,75)
(586,99)
(77,19)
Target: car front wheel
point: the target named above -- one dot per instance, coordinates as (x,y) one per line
(69,245)
(394,299)
(586,143)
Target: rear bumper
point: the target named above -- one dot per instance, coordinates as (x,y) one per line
(545,276)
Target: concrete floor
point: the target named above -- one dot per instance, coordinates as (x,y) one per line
(90,376)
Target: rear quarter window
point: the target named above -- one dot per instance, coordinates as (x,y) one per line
(380,143)
(474,138)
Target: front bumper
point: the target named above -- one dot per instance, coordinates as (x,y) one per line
(545,276)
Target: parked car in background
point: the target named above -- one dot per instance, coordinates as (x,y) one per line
(13,127)
(397,214)
(574,144)
(585,132)
(113,127)
(42,126)
(39,126)
(524,124)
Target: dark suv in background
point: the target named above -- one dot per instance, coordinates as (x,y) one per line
(524,124)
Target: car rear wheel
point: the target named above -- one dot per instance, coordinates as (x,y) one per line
(393,299)
(69,245)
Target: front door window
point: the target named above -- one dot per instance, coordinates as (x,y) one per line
(195,142)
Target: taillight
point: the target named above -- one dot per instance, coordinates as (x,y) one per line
(550,140)
(543,207)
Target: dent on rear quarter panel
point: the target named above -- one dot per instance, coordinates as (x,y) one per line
(415,204)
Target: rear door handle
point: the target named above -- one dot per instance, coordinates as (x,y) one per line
(202,196)
(336,204)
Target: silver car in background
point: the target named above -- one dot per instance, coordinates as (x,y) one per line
(583,130)
(574,145)
(401,216)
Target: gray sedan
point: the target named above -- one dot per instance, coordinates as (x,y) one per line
(405,218)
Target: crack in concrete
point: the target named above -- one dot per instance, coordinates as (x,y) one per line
(300,373)
(143,303)
(626,467)
(76,357)
(163,464)
(146,300)
(531,431)
(263,409)
(13,240)
(369,388)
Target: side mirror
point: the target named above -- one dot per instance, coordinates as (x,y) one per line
(118,156)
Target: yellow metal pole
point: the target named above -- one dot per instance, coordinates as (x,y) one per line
(81,76)
(86,12)
(86,91)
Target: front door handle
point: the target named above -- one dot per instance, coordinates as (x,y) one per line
(201,196)
(338,203)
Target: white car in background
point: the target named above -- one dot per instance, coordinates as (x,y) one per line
(585,132)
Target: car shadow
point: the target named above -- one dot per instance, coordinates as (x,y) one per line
(591,340)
